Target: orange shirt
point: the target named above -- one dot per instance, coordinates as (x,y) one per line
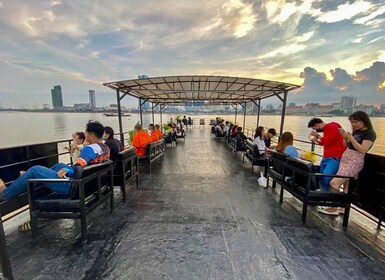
(140,141)
(156,135)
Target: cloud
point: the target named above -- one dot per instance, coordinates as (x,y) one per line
(367,85)
(345,11)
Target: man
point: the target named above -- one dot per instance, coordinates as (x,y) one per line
(140,140)
(333,144)
(95,152)
(151,130)
(268,136)
(184,121)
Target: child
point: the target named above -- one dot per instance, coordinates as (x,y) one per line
(76,145)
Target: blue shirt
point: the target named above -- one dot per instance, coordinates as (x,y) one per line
(291,151)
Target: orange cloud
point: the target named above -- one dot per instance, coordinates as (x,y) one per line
(382,85)
(342,88)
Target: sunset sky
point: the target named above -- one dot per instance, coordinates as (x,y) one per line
(332,48)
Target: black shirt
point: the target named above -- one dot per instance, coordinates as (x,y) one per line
(361,135)
(267,142)
(115,147)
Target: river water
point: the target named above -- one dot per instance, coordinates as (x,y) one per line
(20,128)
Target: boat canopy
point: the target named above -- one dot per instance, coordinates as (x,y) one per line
(207,89)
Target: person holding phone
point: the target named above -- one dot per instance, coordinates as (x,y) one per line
(333,145)
(358,143)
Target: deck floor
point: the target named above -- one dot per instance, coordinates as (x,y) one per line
(200,215)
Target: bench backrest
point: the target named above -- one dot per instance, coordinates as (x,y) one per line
(154,148)
(369,190)
(277,161)
(300,173)
(252,149)
(92,185)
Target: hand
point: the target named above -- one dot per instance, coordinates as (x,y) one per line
(314,133)
(61,173)
(346,135)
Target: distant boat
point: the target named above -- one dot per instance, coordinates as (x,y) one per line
(116,114)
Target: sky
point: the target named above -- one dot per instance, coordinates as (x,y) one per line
(331,48)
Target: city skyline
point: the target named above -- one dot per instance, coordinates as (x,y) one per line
(332,48)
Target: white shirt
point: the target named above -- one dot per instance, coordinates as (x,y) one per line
(261,144)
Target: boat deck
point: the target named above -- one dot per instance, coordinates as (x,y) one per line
(200,215)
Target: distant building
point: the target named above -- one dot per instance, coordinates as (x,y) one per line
(57,98)
(348,103)
(142,77)
(368,109)
(82,106)
(292,104)
(45,106)
(336,106)
(290,110)
(382,108)
(92,99)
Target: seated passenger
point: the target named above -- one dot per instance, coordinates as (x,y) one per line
(285,145)
(112,143)
(140,140)
(76,145)
(95,152)
(151,132)
(158,132)
(258,140)
(268,136)
(234,131)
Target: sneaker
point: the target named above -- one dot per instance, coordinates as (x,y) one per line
(329,211)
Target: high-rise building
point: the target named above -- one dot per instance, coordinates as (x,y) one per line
(146,105)
(57,98)
(92,99)
(348,103)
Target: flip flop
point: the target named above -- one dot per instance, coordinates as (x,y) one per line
(25,227)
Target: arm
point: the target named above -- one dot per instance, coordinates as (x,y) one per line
(361,148)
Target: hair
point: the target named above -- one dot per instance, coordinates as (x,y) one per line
(81,135)
(361,117)
(234,129)
(258,131)
(151,126)
(109,130)
(287,139)
(96,128)
(157,126)
(239,128)
(272,131)
(314,121)
(138,127)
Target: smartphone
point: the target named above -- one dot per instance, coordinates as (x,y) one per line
(342,130)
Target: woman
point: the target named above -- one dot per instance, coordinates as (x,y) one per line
(285,145)
(112,143)
(352,161)
(259,140)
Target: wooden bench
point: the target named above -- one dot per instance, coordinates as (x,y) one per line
(92,187)
(170,139)
(369,189)
(154,151)
(300,180)
(126,169)
(252,153)
(180,135)
(235,146)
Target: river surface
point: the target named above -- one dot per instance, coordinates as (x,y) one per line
(20,128)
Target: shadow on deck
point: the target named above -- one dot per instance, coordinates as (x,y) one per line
(200,215)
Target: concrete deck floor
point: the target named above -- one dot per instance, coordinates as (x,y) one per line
(200,215)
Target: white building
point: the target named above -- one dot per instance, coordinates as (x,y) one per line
(348,103)
(92,98)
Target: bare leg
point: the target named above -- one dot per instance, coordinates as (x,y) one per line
(2,185)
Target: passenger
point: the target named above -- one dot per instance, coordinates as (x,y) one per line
(285,145)
(333,144)
(112,143)
(226,128)
(219,129)
(184,121)
(234,131)
(151,132)
(158,132)
(95,152)
(268,136)
(258,140)
(189,122)
(140,140)
(76,145)
(358,144)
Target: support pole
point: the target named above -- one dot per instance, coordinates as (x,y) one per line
(5,267)
(140,111)
(259,111)
(120,117)
(283,113)
(244,117)
(236,112)
(152,110)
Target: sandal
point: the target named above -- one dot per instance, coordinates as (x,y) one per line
(25,227)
